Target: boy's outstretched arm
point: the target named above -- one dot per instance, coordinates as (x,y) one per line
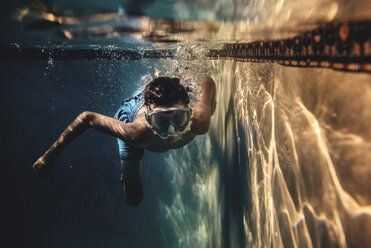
(205,108)
(135,134)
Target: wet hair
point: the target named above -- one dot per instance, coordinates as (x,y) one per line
(165,92)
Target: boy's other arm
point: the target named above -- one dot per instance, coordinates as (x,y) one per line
(205,108)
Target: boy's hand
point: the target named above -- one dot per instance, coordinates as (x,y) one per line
(43,167)
(208,85)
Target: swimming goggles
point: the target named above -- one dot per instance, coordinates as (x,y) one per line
(168,122)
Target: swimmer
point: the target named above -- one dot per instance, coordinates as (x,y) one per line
(157,118)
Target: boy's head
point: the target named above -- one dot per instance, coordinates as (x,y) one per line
(165,92)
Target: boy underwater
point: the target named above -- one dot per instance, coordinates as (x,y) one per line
(157,118)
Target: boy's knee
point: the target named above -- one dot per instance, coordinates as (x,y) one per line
(133,193)
(133,200)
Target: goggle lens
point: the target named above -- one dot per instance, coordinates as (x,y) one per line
(180,118)
(160,121)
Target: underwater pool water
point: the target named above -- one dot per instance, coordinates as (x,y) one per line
(285,162)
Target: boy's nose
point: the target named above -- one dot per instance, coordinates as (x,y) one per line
(171,129)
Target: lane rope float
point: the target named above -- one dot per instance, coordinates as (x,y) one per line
(341,46)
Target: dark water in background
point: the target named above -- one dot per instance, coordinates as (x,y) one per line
(285,162)
(84,205)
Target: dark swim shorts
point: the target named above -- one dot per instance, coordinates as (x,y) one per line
(127,113)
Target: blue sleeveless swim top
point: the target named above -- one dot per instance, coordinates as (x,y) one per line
(127,113)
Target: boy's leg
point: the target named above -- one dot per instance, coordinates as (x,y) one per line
(131,180)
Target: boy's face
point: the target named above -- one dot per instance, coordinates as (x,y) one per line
(169,121)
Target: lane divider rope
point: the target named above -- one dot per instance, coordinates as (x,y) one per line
(341,46)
